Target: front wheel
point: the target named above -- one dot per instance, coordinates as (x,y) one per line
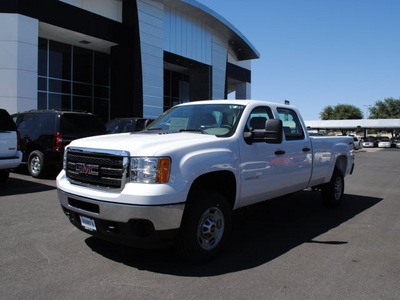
(332,192)
(205,226)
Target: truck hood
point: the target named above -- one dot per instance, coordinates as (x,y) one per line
(144,144)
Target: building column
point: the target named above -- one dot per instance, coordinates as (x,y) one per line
(219,56)
(18,62)
(151,30)
(243,91)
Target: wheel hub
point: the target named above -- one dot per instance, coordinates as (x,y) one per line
(210,228)
(35,164)
(338,188)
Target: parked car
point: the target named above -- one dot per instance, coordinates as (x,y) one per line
(357,143)
(395,141)
(45,133)
(127,124)
(384,142)
(368,143)
(10,153)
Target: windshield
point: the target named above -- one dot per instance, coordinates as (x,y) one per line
(215,119)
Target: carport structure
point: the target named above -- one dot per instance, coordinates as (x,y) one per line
(390,125)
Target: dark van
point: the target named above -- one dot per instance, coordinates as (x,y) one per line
(45,133)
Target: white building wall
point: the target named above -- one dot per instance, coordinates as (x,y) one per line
(18,62)
(186,36)
(151,30)
(111,9)
(219,52)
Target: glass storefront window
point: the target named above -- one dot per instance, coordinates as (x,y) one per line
(70,78)
(101,69)
(42,57)
(59,60)
(176,88)
(83,65)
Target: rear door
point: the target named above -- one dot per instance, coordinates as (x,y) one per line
(295,156)
(8,136)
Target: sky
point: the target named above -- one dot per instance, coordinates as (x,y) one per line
(316,53)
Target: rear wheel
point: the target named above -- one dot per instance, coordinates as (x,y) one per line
(205,227)
(36,164)
(332,192)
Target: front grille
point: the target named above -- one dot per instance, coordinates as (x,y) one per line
(97,168)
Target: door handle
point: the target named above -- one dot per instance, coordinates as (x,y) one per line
(279,152)
(306,149)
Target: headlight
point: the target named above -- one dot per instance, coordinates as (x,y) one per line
(150,169)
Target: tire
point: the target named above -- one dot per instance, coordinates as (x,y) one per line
(205,227)
(4,174)
(36,164)
(332,192)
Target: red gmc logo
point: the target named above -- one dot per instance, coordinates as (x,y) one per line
(82,168)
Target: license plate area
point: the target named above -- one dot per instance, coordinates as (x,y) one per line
(88,223)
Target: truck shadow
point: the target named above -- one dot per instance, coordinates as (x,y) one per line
(260,233)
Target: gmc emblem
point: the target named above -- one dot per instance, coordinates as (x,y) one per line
(82,168)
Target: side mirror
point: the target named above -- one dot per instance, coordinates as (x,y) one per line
(272,133)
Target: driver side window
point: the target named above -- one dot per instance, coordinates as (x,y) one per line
(258,117)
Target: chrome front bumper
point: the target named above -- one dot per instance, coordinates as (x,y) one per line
(163,217)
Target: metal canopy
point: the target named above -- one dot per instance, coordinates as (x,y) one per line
(388,124)
(239,44)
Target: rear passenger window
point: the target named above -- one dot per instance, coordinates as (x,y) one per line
(46,122)
(25,122)
(291,124)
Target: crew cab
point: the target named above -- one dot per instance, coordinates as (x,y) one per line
(179,180)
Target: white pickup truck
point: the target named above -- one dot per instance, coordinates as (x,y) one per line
(180,178)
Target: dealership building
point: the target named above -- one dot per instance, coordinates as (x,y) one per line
(118,58)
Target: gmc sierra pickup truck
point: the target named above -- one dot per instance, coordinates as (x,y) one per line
(180,179)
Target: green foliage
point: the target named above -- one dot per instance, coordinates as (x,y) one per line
(389,108)
(341,112)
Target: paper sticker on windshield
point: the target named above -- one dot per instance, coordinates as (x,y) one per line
(178,123)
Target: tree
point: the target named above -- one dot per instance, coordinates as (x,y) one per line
(327,113)
(341,112)
(389,108)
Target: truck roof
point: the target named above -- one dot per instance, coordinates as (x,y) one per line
(239,102)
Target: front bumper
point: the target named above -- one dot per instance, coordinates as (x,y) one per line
(138,225)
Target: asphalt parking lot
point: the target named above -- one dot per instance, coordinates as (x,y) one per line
(287,248)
